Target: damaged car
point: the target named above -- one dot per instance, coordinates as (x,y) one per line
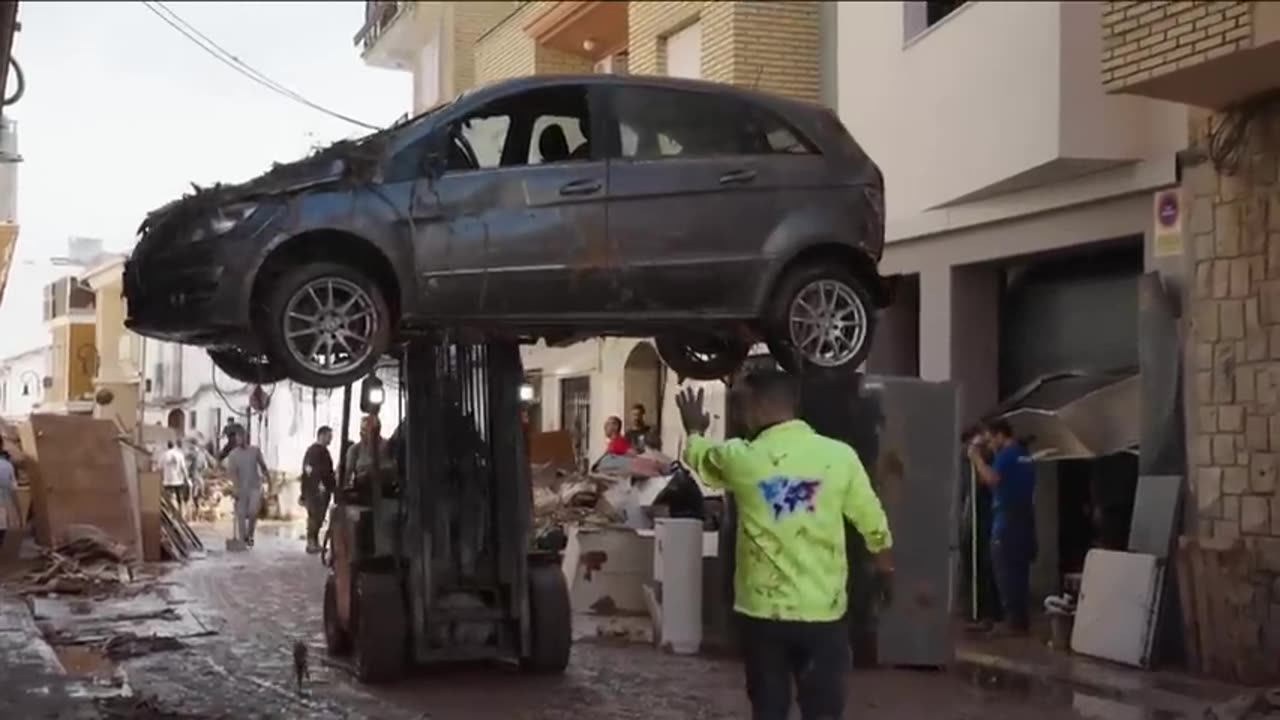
(709,217)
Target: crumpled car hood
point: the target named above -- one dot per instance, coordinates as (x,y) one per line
(351,161)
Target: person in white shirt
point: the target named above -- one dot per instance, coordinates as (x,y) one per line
(176,482)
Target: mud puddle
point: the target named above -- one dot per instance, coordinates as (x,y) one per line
(1092,702)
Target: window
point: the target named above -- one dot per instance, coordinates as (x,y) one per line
(534,127)
(920,15)
(193,419)
(656,123)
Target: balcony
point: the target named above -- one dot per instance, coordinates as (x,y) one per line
(1207,54)
(990,100)
(395,31)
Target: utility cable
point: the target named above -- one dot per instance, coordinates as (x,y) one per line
(204,42)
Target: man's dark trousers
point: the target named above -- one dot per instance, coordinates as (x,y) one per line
(1013,550)
(814,656)
(317,507)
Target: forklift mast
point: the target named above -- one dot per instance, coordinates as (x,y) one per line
(466,500)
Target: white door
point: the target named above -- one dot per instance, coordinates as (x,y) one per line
(684,53)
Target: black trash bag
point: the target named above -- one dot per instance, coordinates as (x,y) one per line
(682,496)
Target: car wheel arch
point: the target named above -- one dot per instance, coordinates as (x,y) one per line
(858,260)
(333,245)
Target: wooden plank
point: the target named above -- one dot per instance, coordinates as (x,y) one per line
(149,493)
(1204,611)
(39,493)
(1187,598)
(83,476)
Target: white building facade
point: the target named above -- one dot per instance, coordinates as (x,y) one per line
(1019,195)
(22,383)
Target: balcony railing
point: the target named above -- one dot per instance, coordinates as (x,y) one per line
(378,16)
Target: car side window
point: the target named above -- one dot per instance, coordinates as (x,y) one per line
(535,127)
(658,123)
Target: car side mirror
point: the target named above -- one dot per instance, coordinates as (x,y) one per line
(436,159)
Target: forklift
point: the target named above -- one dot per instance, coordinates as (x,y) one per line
(429,553)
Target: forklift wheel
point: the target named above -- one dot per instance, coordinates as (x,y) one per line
(379,623)
(336,639)
(550,619)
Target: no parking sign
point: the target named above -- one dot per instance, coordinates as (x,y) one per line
(1167,236)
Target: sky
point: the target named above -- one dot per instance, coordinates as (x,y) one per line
(122,113)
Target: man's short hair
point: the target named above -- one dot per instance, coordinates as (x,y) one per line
(324,429)
(999,426)
(774,387)
(638,406)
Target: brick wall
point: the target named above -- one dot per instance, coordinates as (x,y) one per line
(1233,227)
(507,51)
(773,46)
(472,20)
(1143,40)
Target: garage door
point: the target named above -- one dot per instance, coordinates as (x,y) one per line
(1077,314)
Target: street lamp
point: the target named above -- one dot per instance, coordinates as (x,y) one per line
(26,384)
(526,392)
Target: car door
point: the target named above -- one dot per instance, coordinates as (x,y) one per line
(690,203)
(517,204)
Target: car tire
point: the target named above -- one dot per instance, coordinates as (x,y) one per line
(340,298)
(336,639)
(703,359)
(243,367)
(786,320)
(550,621)
(378,618)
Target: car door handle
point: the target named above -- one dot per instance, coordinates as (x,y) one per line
(734,177)
(581,187)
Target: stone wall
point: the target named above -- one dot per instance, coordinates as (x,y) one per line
(1233,229)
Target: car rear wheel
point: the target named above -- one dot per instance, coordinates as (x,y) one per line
(820,318)
(705,358)
(329,324)
(243,367)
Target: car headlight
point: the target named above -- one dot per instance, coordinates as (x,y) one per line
(224,220)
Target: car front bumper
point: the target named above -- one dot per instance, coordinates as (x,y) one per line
(186,293)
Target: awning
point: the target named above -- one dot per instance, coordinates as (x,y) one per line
(1076,415)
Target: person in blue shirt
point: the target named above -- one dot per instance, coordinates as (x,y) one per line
(1011,476)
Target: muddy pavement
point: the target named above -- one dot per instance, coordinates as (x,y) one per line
(263,601)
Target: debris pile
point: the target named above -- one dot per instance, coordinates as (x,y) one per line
(84,562)
(561,498)
(177,540)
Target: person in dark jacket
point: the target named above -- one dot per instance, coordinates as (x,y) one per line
(317,485)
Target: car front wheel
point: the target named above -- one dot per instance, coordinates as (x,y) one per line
(821,318)
(329,324)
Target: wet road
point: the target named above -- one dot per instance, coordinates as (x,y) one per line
(264,600)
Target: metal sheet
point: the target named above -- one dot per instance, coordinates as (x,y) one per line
(1156,506)
(915,471)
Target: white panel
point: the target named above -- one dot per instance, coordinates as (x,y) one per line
(427,76)
(1116,612)
(684,53)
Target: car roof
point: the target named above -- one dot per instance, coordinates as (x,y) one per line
(533,82)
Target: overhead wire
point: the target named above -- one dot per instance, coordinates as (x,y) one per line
(221,54)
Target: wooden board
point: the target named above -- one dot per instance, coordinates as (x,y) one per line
(149,490)
(554,448)
(82,478)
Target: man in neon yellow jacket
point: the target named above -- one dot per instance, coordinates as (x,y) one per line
(794,489)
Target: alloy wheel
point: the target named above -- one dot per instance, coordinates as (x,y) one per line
(828,323)
(329,325)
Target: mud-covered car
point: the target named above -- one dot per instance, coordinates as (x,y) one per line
(707,216)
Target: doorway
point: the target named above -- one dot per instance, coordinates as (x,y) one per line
(642,386)
(575,416)
(177,421)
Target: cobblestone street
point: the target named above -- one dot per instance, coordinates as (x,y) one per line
(264,600)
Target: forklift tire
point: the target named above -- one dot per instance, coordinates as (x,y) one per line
(379,633)
(550,621)
(336,640)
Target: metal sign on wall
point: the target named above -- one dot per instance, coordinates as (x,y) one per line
(1166,238)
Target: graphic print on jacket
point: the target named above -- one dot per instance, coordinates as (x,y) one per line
(787,495)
